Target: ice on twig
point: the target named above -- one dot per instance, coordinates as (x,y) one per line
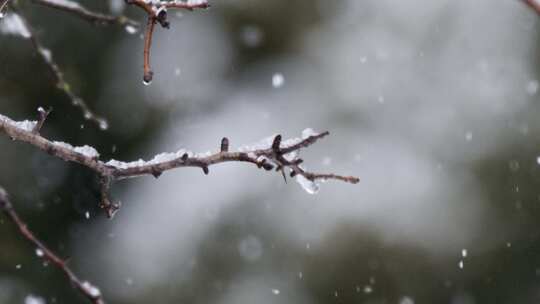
(309,186)
(91,289)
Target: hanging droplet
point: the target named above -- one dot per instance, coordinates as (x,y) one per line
(146,83)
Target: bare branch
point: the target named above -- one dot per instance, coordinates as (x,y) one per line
(92,293)
(61,83)
(148,74)
(157,13)
(273,153)
(84,13)
(3,6)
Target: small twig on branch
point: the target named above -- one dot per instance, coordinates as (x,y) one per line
(42,116)
(61,83)
(273,153)
(157,13)
(86,14)
(91,292)
(148,74)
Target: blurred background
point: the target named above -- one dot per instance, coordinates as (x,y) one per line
(433,104)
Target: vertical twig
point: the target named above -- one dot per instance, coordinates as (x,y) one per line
(150,25)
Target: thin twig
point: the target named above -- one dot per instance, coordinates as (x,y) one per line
(91,292)
(86,14)
(150,25)
(61,83)
(157,13)
(279,155)
(3,6)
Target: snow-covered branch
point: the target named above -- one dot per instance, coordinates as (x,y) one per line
(87,289)
(155,9)
(271,153)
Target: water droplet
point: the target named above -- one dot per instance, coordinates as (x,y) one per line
(39,252)
(278,80)
(461,264)
(538,160)
(18,266)
(363,59)
(146,83)
(130,29)
(464,252)
(129,281)
(177,72)
(508,244)
(276,291)
(91,289)
(87,215)
(309,186)
(300,275)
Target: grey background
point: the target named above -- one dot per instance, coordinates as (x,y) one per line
(433,104)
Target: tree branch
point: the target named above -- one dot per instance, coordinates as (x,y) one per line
(3,6)
(157,13)
(47,57)
(148,74)
(88,290)
(271,153)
